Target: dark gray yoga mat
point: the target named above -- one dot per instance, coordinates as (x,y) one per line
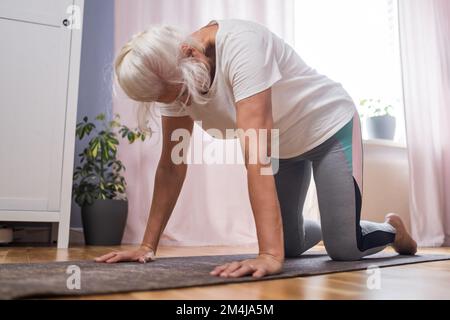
(50,279)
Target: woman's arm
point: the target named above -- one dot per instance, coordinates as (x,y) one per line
(169,179)
(255,113)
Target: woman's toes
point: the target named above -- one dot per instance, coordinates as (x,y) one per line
(404,243)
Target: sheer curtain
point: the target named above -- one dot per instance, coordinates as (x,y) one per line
(213,207)
(425,51)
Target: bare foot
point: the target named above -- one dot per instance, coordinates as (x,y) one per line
(403,243)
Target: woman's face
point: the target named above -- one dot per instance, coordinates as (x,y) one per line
(173,92)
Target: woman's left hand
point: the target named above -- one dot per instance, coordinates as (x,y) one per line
(264,264)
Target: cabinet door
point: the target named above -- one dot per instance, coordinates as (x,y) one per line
(34,68)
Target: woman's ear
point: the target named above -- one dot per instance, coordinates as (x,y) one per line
(187,50)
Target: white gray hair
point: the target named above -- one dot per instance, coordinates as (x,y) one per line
(153,60)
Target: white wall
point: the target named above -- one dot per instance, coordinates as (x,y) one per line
(386,181)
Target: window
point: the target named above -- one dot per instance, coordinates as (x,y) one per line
(354,42)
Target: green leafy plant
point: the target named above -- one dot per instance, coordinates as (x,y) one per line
(99,174)
(375,108)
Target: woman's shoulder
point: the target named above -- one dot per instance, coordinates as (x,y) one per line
(237,35)
(239,25)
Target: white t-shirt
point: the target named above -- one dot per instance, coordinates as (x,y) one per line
(307,107)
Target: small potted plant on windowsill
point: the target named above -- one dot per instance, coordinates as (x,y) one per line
(380,123)
(98,187)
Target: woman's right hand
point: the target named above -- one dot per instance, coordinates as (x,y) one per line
(143,255)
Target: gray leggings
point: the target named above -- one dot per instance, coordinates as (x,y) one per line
(337,169)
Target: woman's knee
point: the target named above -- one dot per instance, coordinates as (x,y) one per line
(343,252)
(293,250)
(313,235)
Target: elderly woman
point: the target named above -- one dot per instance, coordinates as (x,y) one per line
(237,74)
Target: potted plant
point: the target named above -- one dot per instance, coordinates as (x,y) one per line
(98,187)
(380,123)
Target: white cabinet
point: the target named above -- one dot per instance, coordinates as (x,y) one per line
(39,71)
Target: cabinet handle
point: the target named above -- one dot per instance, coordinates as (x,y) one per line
(66,22)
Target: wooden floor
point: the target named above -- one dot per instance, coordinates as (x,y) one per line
(419,281)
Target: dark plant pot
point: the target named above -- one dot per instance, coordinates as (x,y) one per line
(381,127)
(104,222)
